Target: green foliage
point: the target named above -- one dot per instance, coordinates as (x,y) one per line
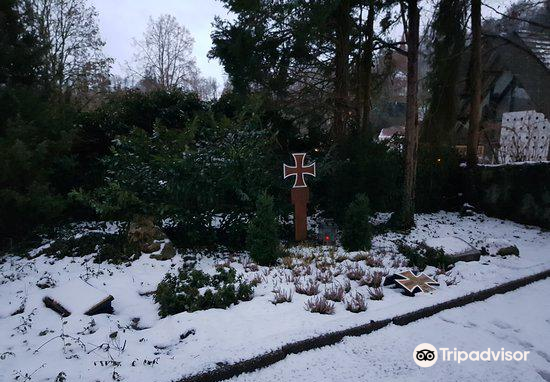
(113,248)
(263,233)
(370,168)
(190,174)
(180,293)
(22,53)
(37,168)
(437,184)
(447,40)
(420,255)
(357,229)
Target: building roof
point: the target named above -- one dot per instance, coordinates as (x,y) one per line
(520,58)
(389,132)
(538,43)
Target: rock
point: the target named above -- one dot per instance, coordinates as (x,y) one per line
(150,247)
(144,231)
(168,252)
(508,251)
(455,249)
(499,247)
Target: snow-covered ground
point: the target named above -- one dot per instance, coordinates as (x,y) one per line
(516,321)
(134,344)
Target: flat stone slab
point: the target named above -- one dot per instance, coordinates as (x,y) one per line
(500,247)
(455,248)
(78,297)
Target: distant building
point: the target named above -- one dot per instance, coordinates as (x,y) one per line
(516,78)
(389,132)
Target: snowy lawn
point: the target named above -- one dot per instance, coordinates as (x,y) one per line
(515,321)
(134,344)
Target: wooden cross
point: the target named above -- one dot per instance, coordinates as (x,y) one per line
(299,170)
(413,283)
(299,192)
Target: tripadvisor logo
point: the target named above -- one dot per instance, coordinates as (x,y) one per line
(426,355)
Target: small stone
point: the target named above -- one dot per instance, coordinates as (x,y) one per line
(508,251)
(150,247)
(168,252)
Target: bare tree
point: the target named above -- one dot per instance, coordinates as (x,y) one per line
(405,217)
(70,31)
(164,55)
(475,85)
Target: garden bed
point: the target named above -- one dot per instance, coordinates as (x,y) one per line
(134,341)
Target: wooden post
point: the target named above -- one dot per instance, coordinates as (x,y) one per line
(300,199)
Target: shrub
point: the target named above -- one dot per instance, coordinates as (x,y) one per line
(262,239)
(420,255)
(181,292)
(281,295)
(335,293)
(309,288)
(324,277)
(320,305)
(357,230)
(355,272)
(376,293)
(113,248)
(356,303)
(373,280)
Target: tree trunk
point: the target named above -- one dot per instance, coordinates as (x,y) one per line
(411,117)
(366,73)
(475,85)
(343,30)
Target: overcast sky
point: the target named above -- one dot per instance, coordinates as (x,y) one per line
(122,20)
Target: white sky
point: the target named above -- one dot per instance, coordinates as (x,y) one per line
(122,20)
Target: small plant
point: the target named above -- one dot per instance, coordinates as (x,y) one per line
(376,293)
(373,280)
(256,280)
(263,233)
(341,258)
(281,295)
(355,272)
(356,303)
(251,267)
(347,285)
(319,305)
(357,229)
(335,293)
(288,262)
(373,262)
(309,287)
(324,277)
(361,256)
(451,281)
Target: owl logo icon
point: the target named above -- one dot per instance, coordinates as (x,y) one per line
(425,355)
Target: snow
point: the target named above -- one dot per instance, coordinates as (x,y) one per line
(153,349)
(511,321)
(77,296)
(450,245)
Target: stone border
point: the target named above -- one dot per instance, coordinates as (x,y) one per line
(227,371)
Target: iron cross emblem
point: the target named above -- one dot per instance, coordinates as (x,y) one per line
(299,170)
(413,283)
